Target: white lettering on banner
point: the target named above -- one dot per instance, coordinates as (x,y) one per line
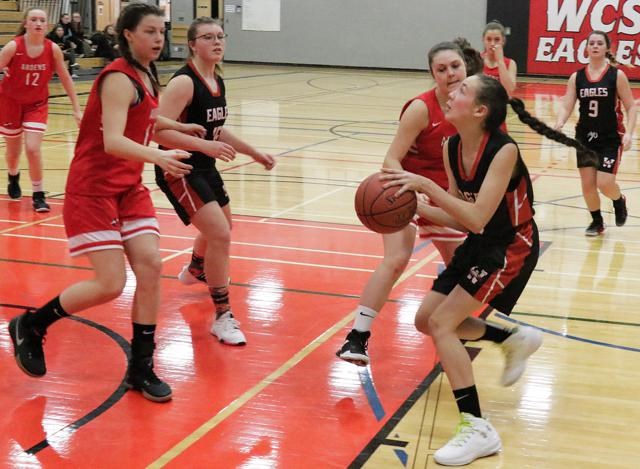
(568,11)
(629,12)
(558,40)
(565,51)
(545,49)
(597,15)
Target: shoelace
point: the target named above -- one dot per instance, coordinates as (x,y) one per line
(464,431)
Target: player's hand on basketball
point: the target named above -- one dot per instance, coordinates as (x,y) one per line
(169,161)
(423,202)
(195,130)
(220,150)
(626,141)
(398,177)
(265,159)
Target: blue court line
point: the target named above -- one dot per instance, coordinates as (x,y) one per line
(420,246)
(569,336)
(370,391)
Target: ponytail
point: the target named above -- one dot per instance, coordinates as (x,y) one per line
(472,58)
(586,156)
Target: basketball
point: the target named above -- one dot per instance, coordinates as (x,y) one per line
(380,210)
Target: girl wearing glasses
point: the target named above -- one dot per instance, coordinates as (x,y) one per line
(196,94)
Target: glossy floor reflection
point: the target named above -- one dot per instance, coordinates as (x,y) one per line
(299,262)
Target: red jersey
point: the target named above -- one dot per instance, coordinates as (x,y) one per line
(28,78)
(494,71)
(425,155)
(94,171)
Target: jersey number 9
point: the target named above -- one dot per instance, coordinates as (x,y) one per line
(593,108)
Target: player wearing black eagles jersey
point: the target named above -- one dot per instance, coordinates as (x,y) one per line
(491,196)
(600,88)
(196,94)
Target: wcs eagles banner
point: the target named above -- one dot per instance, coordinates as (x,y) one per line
(558,32)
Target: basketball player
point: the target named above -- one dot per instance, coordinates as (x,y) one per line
(491,196)
(196,94)
(416,147)
(496,65)
(107,210)
(600,87)
(29,61)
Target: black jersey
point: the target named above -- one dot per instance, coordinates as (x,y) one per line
(207,108)
(516,207)
(600,112)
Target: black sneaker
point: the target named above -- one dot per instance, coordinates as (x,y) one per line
(27,346)
(596,228)
(39,204)
(354,349)
(13,188)
(620,209)
(141,377)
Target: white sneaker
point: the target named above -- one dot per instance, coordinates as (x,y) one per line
(475,438)
(187,278)
(517,348)
(227,330)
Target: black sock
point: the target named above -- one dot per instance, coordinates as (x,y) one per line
(143,332)
(196,261)
(495,334)
(467,400)
(596,215)
(619,201)
(43,317)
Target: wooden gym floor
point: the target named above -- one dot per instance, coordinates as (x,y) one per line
(299,261)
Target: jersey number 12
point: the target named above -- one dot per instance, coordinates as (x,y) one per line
(32,79)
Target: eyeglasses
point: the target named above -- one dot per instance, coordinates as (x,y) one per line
(212,37)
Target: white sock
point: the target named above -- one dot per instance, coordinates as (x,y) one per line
(364,318)
(37,186)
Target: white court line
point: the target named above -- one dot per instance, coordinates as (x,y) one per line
(176,253)
(600,251)
(602,276)
(306,202)
(188,250)
(583,290)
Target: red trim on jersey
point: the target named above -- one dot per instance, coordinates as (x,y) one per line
(514,259)
(474,168)
(205,82)
(493,71)
(618,160)
(520,209)
(586,74)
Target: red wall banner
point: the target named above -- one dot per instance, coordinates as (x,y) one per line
(558,32)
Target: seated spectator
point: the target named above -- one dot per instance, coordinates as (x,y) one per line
(78,30)
(69,35)
(106,43)
(68,48)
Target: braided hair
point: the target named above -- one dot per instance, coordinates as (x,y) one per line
(128,20)
(493,95)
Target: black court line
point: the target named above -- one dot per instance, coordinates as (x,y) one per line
(108,403)
(381,438)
